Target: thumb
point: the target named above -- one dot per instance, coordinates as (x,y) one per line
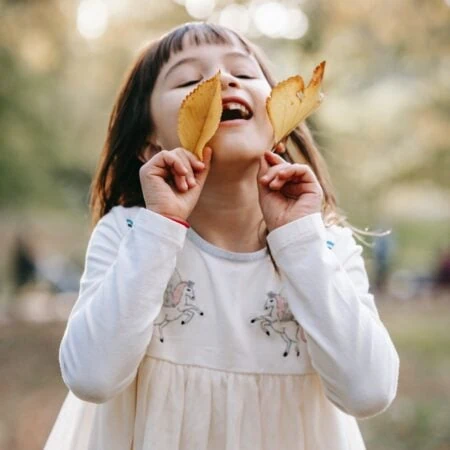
(263,167)
(207,156)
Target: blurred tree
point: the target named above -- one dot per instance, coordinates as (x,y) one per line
(383,124)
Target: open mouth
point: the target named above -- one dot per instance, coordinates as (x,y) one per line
(235,111)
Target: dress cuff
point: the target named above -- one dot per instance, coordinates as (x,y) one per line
(303,230)
(156,224)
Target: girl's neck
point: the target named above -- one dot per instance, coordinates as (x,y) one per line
(228,214)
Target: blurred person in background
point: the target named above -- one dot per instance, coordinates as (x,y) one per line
(23,264)
(442,272)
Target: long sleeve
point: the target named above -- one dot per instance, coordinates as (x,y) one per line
(328,293)
(121,294)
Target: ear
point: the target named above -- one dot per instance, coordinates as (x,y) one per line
(150,150)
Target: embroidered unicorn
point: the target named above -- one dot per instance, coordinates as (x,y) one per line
(280,320)
(179,303)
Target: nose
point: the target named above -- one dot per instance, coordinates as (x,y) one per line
(227,80)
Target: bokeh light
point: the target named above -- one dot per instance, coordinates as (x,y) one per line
(278,21)
(92,18)
(235,17)
(257,18)
(271,19)
(200,9)
(298,24)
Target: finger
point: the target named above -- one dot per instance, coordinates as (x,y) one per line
(176,167)
(298,178)
(207,158)
(192,164)
(290,170)
(180,174)
(190,176)
(164,165)
(195,163)
(282,178)
(272,172)
(263,189)
(181,183)
(280,147)
(301,171)
(273,158)
(173,163)
(277,183)
(263,167)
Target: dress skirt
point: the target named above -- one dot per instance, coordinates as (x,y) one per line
(181,407)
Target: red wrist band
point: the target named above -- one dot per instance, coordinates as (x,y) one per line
(180,221)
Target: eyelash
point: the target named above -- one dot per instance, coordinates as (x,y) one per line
(189,83)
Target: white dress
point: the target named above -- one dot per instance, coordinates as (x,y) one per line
(175,344)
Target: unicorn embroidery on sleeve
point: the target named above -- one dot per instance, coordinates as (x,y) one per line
(280,320)
(179,303)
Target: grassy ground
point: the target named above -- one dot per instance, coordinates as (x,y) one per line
(419,418)
(31,390)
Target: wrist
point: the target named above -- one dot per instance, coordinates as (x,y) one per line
(178,220)
(170,216)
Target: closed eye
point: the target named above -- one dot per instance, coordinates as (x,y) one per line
(188,83)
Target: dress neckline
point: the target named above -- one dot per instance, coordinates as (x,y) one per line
(206,246)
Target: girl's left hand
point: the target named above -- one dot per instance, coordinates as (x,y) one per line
(286,191)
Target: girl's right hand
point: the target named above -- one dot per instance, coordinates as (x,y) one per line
(172,181)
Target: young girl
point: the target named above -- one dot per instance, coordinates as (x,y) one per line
(222,306)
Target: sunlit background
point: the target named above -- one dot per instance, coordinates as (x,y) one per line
(383,129)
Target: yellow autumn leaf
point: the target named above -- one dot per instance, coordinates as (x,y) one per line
(290,103)
(199,115)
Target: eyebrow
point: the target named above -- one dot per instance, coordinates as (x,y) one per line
(191,59)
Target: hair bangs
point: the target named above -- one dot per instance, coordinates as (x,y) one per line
(198,33)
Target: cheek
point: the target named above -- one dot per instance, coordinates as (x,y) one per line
(263,117)
(164,112)
(261,96)
(267,136)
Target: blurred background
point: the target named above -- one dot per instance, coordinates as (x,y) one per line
(383,128)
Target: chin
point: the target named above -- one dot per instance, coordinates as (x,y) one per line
(228,148)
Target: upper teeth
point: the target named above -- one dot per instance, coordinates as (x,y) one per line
(233,105)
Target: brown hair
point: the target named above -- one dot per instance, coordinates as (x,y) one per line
(116,181)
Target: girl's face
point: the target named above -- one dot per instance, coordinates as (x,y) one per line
(242,82)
